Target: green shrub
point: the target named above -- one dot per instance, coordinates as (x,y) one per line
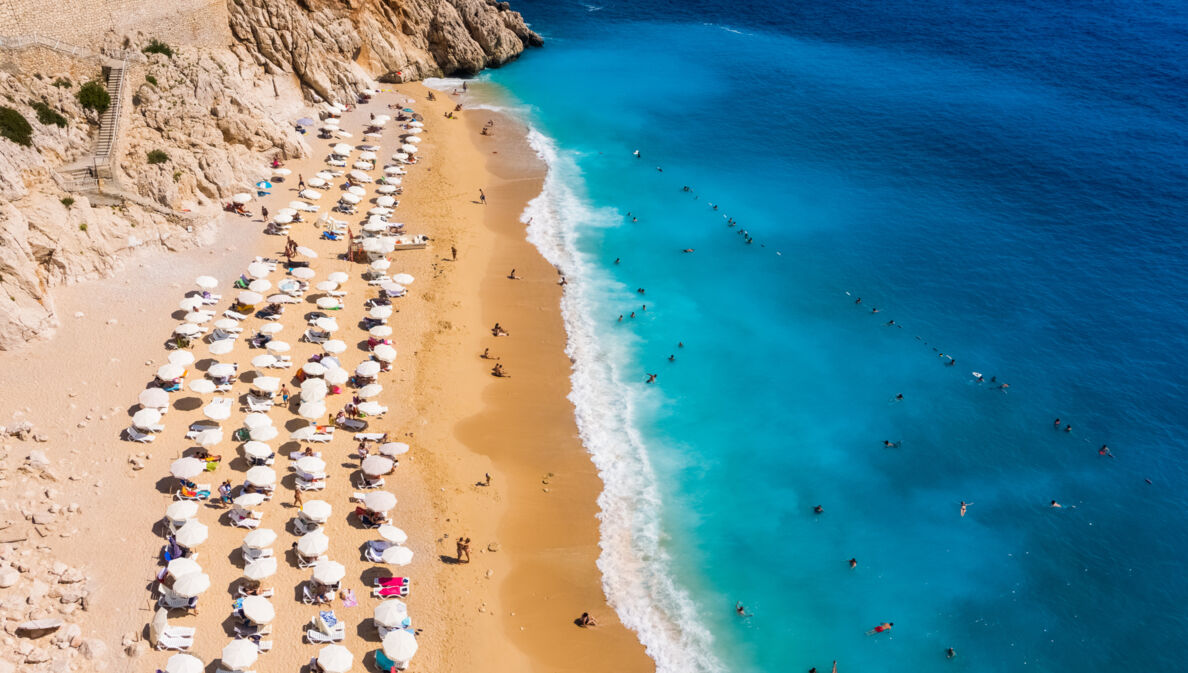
(62,83)
(94,96)
(158,47)
(67,201)
(82,227)
(150,79)
(177,175)
(157,157)
(14,127)
(47,115)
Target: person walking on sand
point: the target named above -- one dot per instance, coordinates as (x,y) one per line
(463,549)
(300,181)
(453,254)
(487,480)
(284,391)
(482,197)
(297,501)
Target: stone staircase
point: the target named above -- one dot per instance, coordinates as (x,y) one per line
(109,123)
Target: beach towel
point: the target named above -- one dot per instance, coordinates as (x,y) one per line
(348,599)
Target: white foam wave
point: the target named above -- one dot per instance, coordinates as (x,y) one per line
(447,84)
(635,567)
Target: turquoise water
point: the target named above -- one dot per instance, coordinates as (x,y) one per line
(1005,181)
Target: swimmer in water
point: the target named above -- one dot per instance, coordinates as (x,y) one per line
(672,358)
(890,444)
(964,505)
(818,510)
(885,626)
(1105,451)
(740,610)
(899,397)
(651,378)
(1055,505)
(1068,428)
(617,259)
(950,653)
(853,563)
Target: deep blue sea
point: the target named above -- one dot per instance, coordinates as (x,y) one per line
(1005,181)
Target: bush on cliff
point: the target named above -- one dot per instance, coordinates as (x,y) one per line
(47,115)
(14,127)
(157,157)
(158,47)
(94,96)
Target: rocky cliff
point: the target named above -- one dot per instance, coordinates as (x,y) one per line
(335,46)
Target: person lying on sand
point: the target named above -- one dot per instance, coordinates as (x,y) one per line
(498,371)
(586,620)
(498,330)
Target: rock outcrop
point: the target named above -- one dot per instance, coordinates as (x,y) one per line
(335,46)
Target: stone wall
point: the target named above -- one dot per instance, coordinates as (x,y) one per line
(87,22)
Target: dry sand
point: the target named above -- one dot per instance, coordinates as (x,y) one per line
(510,609)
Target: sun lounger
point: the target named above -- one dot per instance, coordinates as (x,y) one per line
(253,631)
(307,562)
(172,601)
(352,424)
(234,316)
(259,404)
(400,591)
(307,485)
(200,493)
(135,435)
(266,593)
(298,455)
(176,638)
(250,554)
(368,436)
(264,645)
(326,628)
(314,336)
(372,554)
(212,299)
(365,484)
(242,519)
(304,526)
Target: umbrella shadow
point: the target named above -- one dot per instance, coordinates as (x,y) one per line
(161,528)
(178,315)
(188,404)
(204,364)
(165,484)
(239,464)
(296,424)
(363,347)
(288,448)
(133,409)
(235,558)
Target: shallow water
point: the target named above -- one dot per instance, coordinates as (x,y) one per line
(1003,180)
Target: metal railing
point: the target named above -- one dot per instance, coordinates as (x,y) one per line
(104,156)
(35,40)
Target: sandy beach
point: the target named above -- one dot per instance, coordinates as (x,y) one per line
(533,530)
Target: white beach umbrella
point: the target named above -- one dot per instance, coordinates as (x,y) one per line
(170,371)
(257,449)
(408,148)
(281,171)
(400,645)
(260,569)
(360,176)
(189,586)
(341,149)
(380,501)
(380,312)
(221,370)
(375,227)
(261,538)
(187,468)
(402,278)
(308,252)
(334,346)
(304,272)
(258,610)
(182,510)
(394,289)
(313,544)
(374,135)
(313,368)
(416,131)
(271,328)
(350,198)
(209,437)
(385,353)
(388,188)
(226,323)
(316,182)
(184,663)
(202,386)
(181,358)
(192,533)
(217,412)
(311,194)
(241,197)
(413,140)
(392,534)
(326,323)
(256,420)
(247,500)
(335,659)
(183,566)
(327,286)
(393,449)
(367,156)
(370,390)
(248,297)
(260,476)
(385,201)
(198,317)
(206,282)
(277,347)
(264,360)
(279,299)
(337,376)
(391,181)
(329,572)
(395,170)
(368,369)
(282,218)
(397,556)
(416,124)
(375,466)
(391,613)
(380,265)
(380,331)
(258,270)
(317,511)
(363,165)
(190,303)
(314,390)
(146,419)
(313,465)
(324,175)
(268,384)
(312,410)
(303,434)
(339,277)
(328,303)
(239,654)
(291,212)
(260,285)
(400,156)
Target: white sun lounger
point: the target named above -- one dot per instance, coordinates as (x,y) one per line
(135,435)
(176,638)
(303,526)
(234,316)
(305,562)
(266,593)
(368,436)
(297,455)
(250,554)
(241,519)
(306,485)
(352,424)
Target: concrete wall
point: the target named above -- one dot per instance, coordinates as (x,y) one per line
(87,22)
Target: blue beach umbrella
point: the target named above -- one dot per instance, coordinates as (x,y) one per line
(263,184)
